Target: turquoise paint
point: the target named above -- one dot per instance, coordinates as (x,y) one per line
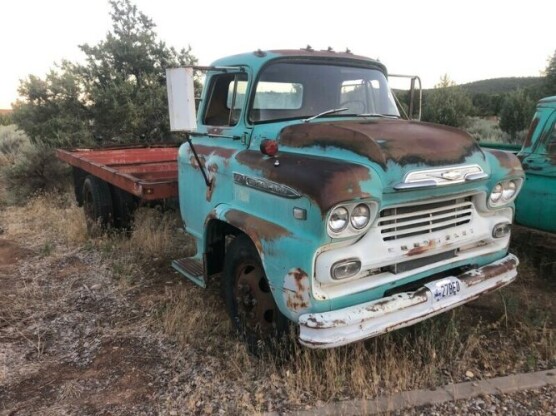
(378,292)
(297,249)
(536,203)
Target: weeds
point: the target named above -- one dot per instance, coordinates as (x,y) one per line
(53,217)
(47,249)
(511,330)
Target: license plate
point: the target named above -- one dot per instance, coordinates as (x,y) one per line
(445,288)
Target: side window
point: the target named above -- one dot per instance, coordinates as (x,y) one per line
(550,145)
(227,95)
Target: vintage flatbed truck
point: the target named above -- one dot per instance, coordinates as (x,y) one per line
(315,203)
(112,181)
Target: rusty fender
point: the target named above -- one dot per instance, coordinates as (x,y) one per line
(259,230)
(508,162)
(355,323)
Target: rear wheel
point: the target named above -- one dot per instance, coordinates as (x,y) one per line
(124,204)
(97,203)
(248,297)
(79,176)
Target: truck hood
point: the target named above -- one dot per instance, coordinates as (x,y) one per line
(396,146)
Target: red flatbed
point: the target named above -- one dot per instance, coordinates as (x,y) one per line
(148,172)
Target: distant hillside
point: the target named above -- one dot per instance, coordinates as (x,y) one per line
(502,85)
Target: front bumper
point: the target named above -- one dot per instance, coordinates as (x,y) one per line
(355,323)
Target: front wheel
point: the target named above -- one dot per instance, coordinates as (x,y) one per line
(249,300)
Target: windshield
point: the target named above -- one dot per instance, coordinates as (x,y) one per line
(301,90)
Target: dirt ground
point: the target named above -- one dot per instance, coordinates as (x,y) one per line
(77,339)
(72,353)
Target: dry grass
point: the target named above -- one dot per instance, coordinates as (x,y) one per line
(435,352)
(158,234)
(56,218)
(505,332)
(511,330)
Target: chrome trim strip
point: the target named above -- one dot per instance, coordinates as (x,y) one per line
(476,176)
(441,176)
(265,185)
(415,185)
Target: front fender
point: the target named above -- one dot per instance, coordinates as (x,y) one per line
(287,258)
(503,165)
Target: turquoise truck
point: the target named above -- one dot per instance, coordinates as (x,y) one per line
(313,201)
(536,205)
(535,233)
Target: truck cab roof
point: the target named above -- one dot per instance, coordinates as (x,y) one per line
(256,59)
(548,100)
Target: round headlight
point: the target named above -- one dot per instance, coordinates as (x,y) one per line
(360,216)
(496,193)
(338,219)
(509,190)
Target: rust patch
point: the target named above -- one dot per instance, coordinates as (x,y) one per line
(215,130)
(193,162)
(210,189)
(327,182)
(326,54)
(256,228)
(422,249)
(380,141)
(487,272)
(508,161)
(211,216)
(296,290)
(222,152)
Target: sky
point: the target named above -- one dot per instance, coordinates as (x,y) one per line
(468,40)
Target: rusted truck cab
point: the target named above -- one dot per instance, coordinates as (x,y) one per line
(315,202)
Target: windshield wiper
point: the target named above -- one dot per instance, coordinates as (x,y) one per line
(325,113)
(378,115)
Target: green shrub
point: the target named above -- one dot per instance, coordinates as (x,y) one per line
(34,169)
(5,119)
(484,130)
(488,131)
(12,142)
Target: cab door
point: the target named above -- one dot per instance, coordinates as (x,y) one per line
(221,133)
(536,204)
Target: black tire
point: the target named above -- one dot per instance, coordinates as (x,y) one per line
(97,203)
(124,205)
(248,298)
(79,176)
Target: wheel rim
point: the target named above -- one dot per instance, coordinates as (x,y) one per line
(256,308)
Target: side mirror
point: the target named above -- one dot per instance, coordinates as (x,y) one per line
(413,107)
(181,99)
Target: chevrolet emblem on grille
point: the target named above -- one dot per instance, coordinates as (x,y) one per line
(441,176)
(452,175)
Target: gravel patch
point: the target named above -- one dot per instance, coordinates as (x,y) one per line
(523,403)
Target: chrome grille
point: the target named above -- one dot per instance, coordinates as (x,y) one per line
(400,222)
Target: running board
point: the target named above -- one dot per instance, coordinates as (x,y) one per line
(192,269)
